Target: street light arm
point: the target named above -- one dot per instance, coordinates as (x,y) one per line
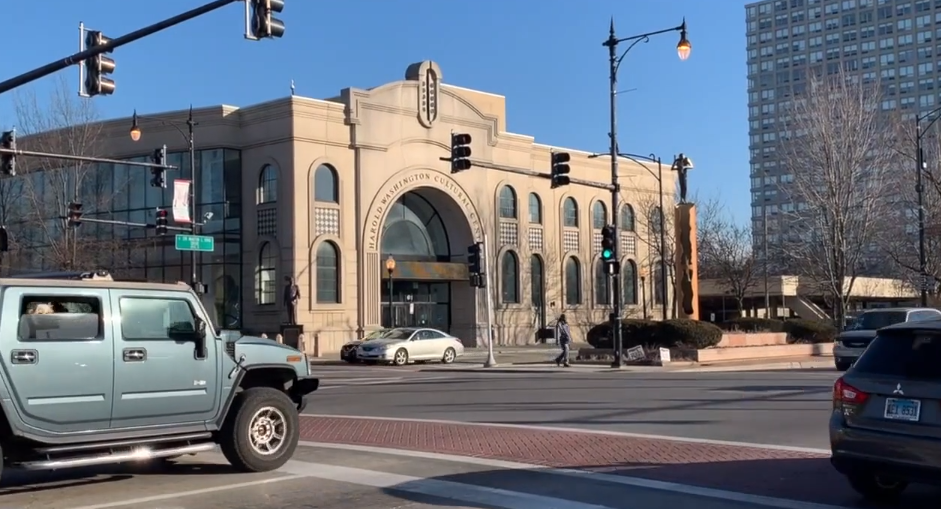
(635,39)
(170,123)
(633,157)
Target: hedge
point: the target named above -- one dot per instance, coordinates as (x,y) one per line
(809,331)
(750,324)
(667,334)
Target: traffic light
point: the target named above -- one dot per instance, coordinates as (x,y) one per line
(560,169)
(460,152)
(75,214)
(159,157)
(608,241)
(475,265)
(4,240)
(98,67)
(8,161)
(160,225)
(263,25)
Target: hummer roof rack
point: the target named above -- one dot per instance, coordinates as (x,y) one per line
(97,275)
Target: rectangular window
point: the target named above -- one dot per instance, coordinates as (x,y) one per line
(157,319)
(60,318)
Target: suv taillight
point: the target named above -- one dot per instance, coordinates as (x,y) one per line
(844,393)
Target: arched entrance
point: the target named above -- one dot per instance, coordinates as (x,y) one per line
(427,234)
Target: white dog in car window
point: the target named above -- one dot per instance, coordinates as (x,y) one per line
(43,308)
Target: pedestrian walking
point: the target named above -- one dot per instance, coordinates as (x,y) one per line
(564,336)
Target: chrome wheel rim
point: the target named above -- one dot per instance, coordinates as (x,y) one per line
(268,431)
(448,355)
(400,357)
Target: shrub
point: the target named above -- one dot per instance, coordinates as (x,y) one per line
(690,333)
(653,334)
(633,332)
(748,324)
(809,331)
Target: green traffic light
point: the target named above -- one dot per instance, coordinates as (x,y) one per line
(607,254)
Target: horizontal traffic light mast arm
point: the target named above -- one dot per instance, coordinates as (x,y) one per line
(58,65)
(128,224)
(531,173)
(84,159)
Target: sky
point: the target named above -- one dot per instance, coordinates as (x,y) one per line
(545,57)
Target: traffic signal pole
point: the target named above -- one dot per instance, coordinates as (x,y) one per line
(81,56)
(84,159)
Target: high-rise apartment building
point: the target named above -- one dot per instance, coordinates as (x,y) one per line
(897,42)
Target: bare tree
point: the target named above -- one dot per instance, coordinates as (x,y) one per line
(725,251)
(61,124)
(647,226)
(840,158)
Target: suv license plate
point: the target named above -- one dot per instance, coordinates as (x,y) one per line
(902,409)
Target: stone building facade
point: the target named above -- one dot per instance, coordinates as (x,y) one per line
(331,189)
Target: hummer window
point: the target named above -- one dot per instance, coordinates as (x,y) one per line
(144,318)
(60,318)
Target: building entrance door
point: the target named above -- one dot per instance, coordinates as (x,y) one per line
(417,304)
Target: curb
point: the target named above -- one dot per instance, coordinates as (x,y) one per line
(779,366)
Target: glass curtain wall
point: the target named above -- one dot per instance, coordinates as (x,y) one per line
(123,193)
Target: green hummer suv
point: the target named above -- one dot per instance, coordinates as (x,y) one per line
(97,371)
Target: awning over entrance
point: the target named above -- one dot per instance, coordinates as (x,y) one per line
(428,271)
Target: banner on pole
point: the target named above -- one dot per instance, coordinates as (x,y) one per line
(181,201)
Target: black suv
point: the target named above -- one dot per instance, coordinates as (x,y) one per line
(885,428)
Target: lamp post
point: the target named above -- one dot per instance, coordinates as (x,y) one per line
(643,295)
(683,49)
(390,268)
(135,134)
(920,166)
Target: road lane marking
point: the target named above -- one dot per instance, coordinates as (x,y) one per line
(643,436)
(465,493)
(191,493)
(635,482)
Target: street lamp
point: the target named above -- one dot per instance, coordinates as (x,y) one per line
(921,166)
(135,134)
(614,61)
(390,268)
(653,158)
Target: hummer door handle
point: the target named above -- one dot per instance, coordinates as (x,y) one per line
(135,355)
(24,357)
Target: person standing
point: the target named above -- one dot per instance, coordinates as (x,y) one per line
(564,336)
(292,297)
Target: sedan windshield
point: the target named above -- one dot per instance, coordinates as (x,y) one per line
(399,334)
(877,319)
(376,334)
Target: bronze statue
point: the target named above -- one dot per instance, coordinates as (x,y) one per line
(682,165)
(292,297)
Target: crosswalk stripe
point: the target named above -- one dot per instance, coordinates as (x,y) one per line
(466,493)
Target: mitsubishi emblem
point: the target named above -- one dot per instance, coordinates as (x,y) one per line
(898,390)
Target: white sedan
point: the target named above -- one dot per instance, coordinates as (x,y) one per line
(403,345)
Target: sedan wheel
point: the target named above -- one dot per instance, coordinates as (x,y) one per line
(400,358)
(449,356)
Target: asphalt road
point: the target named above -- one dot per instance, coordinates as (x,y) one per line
(774,407)
(331,477)
(780,408)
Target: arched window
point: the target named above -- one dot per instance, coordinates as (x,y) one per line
(654,220)
(507,203)
(602,285)
(573,282)
(535,209)
(627,218)
(326,185)
(570,213)
(659,276)
(629,283)
(265,284)
(509,278)
(599,215)
(267,185)
(537,280)
(328,273)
